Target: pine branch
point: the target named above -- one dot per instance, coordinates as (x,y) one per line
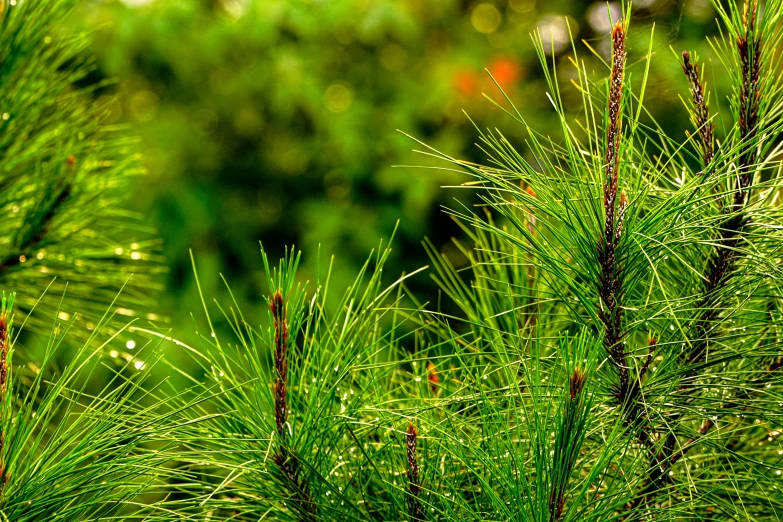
(569,442)
(415,509)
(724,257)
(286,460)
(701,113)
(5,346)
(65,178)
(610,288)
(611,277)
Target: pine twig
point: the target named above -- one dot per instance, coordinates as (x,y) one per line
(5,345)
(610,290)
(724,256)
(286,460)
(701,113)
(415,509)
(610,283)
(566,452)
(281,362)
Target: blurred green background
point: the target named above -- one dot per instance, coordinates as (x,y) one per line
(276,121)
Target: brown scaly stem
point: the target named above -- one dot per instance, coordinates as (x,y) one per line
(701,113)
(286,460)
(415,509)
(281,362)
(749,47)
(5,344)
(610,283)
(610,287)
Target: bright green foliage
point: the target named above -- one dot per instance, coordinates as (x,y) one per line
(71,456)
(613,353)
(265,440)
(680,294)
(63,176)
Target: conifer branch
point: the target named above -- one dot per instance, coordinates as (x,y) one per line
(701,113)
(569,443)
(287,460)
(65,177)
(281,363)
(750,51)
(5,346)
(610,282)
(415,510)
(724,256)
(629,388)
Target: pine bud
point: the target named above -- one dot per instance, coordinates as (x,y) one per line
(576,382)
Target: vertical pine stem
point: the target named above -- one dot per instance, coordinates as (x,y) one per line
(701,112)
(749,47)
(568,443)
(286,460)
(5,373)
(724,256)
(415,510)
(610,283)
(281,363)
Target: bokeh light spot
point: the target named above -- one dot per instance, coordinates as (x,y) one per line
(554,32)
(522,6)
(144,105)
(598,16)
(338,97)
(486,18)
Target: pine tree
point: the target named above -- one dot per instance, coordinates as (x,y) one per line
(612,353)
(64,177)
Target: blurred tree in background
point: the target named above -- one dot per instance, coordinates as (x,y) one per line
(275,120)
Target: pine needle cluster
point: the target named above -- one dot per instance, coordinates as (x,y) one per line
(65,176)
(615,352)
(612,351)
